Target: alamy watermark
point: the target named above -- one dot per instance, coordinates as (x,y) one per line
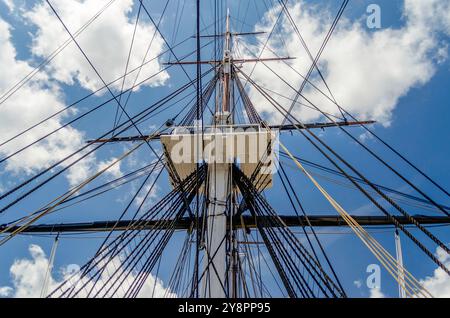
(373,281)
(373,20)
(226,144)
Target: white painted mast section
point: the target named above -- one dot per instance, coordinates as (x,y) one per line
(400,271)
(213,282)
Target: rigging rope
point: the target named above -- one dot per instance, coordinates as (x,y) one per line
(299,126)
(54,203)
(5,96)
(411,284)
(117,246)
(138,116)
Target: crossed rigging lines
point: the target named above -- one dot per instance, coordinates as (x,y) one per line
(288,266)
(131,248)
(323,148)
(300,271)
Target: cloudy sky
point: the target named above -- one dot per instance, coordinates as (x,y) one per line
(397,75)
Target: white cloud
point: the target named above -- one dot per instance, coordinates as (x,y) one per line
(148,290)
(434,14)
(134,162)
(6,291)
(439,283)
(376,293)
(21,111)
(148,195)
(9,4)
(106,42)
(36,100)
(367,71)
(114,170)
(28,277)
(89,166)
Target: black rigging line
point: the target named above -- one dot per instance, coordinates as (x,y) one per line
(341,10)
(115,247)
(308,223)
(362,145)
(119,95)
(113,184)
(267,41)
(139,116)
(188,120)
(412,165)
(371,132)
(143,58)
(298,277)
(299,74)
(304,255)
(186,205)
(149,263)
(22,196)
(428,198)
(72,121)
(131,202)
(179,19)
(137,211)
(103,87)
(257,204)
(164,39)
(353,118)
(319,53)
(101,78)
(175,279)
(415,167)
(134,289)
(139,247)
(156,276)
(160,247)
(280,34)
(198,104)
(207,266)
(252,114)
(132,260)
(138,191)
(298,124)
(335,172)
(128,60)
(175,177)
(4,97)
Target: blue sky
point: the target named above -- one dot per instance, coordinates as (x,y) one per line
(413,119)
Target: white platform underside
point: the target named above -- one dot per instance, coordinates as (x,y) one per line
(246,149)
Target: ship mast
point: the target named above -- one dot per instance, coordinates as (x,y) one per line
(221,178)
(219,188)
(226,67)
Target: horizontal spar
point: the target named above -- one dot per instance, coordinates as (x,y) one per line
(248,221)
(231,33)
(323,125)
(277,127)
(238,61)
